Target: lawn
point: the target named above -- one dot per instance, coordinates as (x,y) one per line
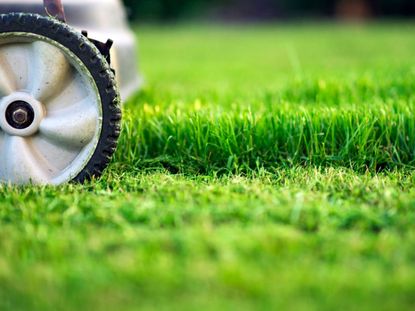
(261,167)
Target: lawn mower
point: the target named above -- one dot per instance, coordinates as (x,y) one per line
(59,97)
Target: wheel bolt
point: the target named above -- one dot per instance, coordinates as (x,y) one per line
(20,116)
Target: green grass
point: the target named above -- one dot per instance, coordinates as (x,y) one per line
(261,167)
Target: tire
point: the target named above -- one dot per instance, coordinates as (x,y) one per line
(86,56)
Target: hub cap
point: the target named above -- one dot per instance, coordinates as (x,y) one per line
(20,115)
(50,113)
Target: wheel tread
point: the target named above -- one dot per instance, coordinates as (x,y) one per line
(99,69)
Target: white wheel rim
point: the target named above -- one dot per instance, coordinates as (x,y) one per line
(65,112)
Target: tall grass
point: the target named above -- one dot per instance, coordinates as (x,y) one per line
(294,128)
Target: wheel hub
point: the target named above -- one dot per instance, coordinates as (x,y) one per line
(20,114)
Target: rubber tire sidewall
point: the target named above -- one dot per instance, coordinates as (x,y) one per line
(97,66)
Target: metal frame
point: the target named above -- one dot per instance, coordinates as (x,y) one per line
(55,9)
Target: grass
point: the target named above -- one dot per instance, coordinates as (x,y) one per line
(262,167)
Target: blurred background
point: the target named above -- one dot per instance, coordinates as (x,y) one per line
(267,10)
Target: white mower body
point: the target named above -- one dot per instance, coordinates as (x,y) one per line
(103,19)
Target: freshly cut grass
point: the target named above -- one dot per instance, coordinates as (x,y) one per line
(307,239)
(261,167)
